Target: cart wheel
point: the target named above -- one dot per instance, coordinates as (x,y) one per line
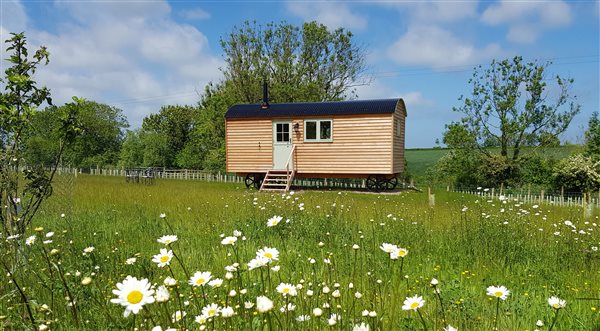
(391,183)
(258,179)
(249,181)
(372,183)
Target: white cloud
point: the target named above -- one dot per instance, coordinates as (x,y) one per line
(332,14)
(131,55)
(527,19)
(431,11)
(195,14)
(378,89)
(436,47)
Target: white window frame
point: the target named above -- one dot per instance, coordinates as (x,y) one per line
(318,137)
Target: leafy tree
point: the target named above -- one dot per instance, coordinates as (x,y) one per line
(509,105)
(97,145)
(132,150)
(309,63)
(592,137)
(578,173)
(22,194)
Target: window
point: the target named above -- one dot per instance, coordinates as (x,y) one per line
(318,130)
(282,132)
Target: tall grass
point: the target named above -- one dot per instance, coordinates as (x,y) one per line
(466,242)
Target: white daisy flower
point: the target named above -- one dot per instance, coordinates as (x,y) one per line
(388,248)
(30,240)
(133,294)
(413,303)
(361,327)
(200,278)
(498,292)
(287,289)
(269,253)
(177,316)
(263,304)
(217,282)
(227,312)
(274,220)
(399,253)
(211,310)
(163,258)
(557,303)
(130,260)
(167,240)
(88,250)
(333,319)
(228,240)
(450,328)
(303,318)
(162,294)
(257,262)
(170,281)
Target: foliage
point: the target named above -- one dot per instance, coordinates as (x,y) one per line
(592,137)
(509,106)
(578,173)
(302,64)
(98,144)
(21,194)
(132,150)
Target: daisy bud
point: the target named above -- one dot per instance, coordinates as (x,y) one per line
(434,282)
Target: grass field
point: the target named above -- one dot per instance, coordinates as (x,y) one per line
(328,251)
(420,159)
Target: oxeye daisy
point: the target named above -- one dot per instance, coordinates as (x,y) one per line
(399,253)
(361,327)
(557,303)
(274,220)
(287,289)
(258,262)
(413,303)
(268,253)
(133,294)
(263,304)
(211,310)
(167,240)
(500,292)
(162,294)
(388,248)
(163,258)
(229,240)
(227,312)
(200,278)
(217,282)
(30,240)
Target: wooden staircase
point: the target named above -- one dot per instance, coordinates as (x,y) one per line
(278,180)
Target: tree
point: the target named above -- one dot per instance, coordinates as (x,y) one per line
(592,137)
(510,106)
(302,64)
(578,173)
(22,194)
(97,145)
(132,150)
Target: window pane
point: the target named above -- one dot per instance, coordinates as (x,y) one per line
(311,130)
(285,128)
(325,129)
(286,137)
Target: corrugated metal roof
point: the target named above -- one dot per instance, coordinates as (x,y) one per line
(355,107)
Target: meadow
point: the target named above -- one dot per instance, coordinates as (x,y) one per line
(307,260)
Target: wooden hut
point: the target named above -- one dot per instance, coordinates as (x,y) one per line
(271,144)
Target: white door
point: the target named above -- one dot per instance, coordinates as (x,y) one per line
(282,144)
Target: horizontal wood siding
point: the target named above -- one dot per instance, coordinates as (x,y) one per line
(249,145)
(399,115)
(361,145)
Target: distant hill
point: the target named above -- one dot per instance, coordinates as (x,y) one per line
(420,159)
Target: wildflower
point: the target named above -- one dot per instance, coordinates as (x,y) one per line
(450,328)
(317,312)
(500,292)
(287,308)
(287,289)
(227,312)
(557,303)
(130,260)
(333,319)
(170,281)
(539,323)
(263,304)
(365,313)
(336,294)
(217,282)
(162,294)
(133,294)
(49,234)
(86,281)
(355,247)
(309,293)
(211,310)
(434,282)
(200,278)
(361,327)
(228,275)
(201,319)
(373,314)
(276,268)
(162,215)
(400,252)
(228,241)
(321,244)
(167,240)
(248,305)
(46,242)
(388,248)
(88,250)
(237,233)
(274,220)
(30,240)
(413,303)
(358,295)
(257,262)
(43,327)
(303,318)
(177,316)
(269,253)
(163,258)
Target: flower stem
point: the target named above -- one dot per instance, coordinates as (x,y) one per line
(422,320)
(497,310)
(554,320)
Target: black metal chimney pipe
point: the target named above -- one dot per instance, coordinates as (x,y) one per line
(265,100)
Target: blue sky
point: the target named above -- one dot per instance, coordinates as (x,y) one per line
(139,55)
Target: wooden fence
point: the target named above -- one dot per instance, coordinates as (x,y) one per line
(540,197)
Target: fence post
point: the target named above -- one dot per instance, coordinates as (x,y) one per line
(501,188)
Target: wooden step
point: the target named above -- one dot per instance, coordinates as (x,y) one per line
(276,184)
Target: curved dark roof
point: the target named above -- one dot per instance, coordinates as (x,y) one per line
(355,107)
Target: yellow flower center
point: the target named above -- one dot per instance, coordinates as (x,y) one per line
(402,253)
(212,312)
(268,255)
(200,281)
(498,294)
(556,306)
(164,258)
(286,290)
(414,305)
(134,297)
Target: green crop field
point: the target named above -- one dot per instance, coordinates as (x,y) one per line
(420,159)
(320,266)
